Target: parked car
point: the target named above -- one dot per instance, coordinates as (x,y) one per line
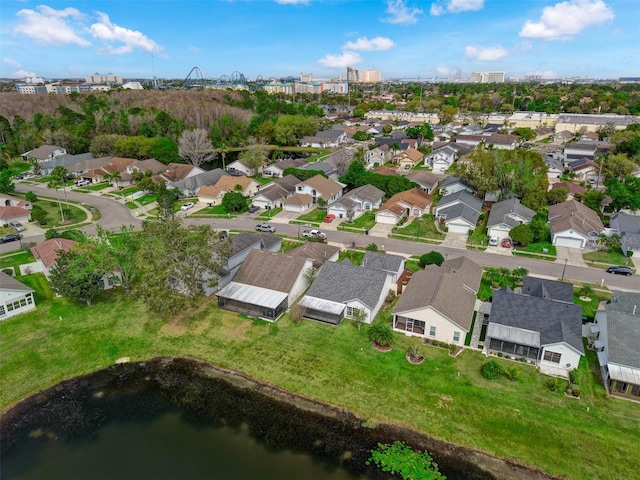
(17,226)
(265,227)
(314,234)
(620,270)
(82,183)
(187,206)
(506,243)
(12,237)
(329,218)
(253,208)
(493,241)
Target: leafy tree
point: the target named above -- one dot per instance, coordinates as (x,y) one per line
(421,132)
(38,214)
(178,264)
(195,146)
(6,182)
(540,227)
(381,334)
(56,180)
(401,459)
(513,373)
(229,131)
(617,166)
(521,234)
(165,150)
(361,136)
(71,234)
(387,129)
(525,133)
(166,199)
(114,177)
(234,202)
(254,157)
(290,128)
(557,195)
(77,274)
(120,252)
(624,194)
(519,273)
(30,196)
(592,199)
(430,258)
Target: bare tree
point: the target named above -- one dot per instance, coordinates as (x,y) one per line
(194,145)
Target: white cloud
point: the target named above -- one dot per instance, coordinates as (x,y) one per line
(131,39)
(566,19)
(50,27)
(30,77)
(455,6)
(400,13)
(293,2)
(347,59)
(194,49)
(11,61)
(488,54)
(442,71)
(376,44)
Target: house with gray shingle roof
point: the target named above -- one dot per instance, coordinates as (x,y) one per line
(318,252)
(628,227)
(73,163)
(15,297)
(320,187)
(453,184)
(540,329)
(356,202)
(438,302)
(276,169)
(427,181)
(190,185)
(341,290)
(506,215)
(548,289)
(266,284)
(273,194)
(617,344)
(391,264)
(44,153)
(441,158)
(459,211)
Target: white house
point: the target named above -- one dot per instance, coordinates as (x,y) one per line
(506,215)
(15,297)
(459,211)
(377,156)
(357,201)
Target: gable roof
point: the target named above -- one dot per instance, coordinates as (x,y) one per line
(623,338)
(424,178)
(195,182)
(43,151)
(453,180)
(10,212)
(382,261)
(441,290)
(469,271)
(464,197)
(501,213)
(343,282)
(574,215)
(412,154)
(572,187)
(177,171)
(626,223)
(554,321)
(547,289)
(325,186)
(274,271)
(47,251)
(299,199)
(8,283)
(318,252)
(367,193)
(149,164)
(414,197)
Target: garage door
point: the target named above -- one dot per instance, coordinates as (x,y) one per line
(388,220)
(456,228)
(568,242)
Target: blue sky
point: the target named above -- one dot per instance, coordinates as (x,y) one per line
(274,38)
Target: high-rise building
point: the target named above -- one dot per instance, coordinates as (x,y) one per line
(306,77)
(352,74)
(363,76)
(487,77)
(108,79)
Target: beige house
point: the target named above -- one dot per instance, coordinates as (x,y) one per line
(438,302)
(213,194)
(320,187)
(409,158)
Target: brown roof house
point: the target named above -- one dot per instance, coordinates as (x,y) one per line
(427,181)
(573,224)
(266,284)
(321,187)
(438,302)
(44,153)
(409,158)
(273,194)
(412,203)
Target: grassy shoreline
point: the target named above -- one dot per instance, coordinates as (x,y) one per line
(444,397)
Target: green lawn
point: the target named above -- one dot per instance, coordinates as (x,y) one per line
(365,221)
(445,397)
(314,216)
(72,214)
(611,257)
(423,228)
(354,256)
(15,259)
(147,199)
(267,214)
(539,248)
(589,308)
(262,180)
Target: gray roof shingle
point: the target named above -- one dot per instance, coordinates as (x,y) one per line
(548,289)
(382,261)
(501,213)
(274,271)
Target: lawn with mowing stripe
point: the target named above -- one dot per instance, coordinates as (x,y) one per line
(444,397)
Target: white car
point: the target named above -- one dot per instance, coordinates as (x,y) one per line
(314,234)
(186,206)
(493,241)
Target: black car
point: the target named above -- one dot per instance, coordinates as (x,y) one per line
(620,270)
(253,208)
(12,237)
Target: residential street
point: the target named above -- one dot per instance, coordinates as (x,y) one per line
(114,214)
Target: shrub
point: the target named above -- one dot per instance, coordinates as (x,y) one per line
(30,196)
(430,258)
(500,354)
(491,370)
(414,350)
(576,392)
(381,333)
(513,373)
(554,384)
(573,376)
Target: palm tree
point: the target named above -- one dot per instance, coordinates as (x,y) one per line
(113,176)
(519,273)
(55,183)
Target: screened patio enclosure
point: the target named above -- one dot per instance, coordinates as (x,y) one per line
(322,310)
(253,301)
(513,341)
(409,325)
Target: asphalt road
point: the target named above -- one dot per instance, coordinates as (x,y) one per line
(115,214)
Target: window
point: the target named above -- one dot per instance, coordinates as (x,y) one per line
(432,331)
(552,356)
(352,312)
(2,310)
(456,337)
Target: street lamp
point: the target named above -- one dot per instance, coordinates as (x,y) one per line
(564,269)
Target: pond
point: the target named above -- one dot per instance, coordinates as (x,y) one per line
(177,418)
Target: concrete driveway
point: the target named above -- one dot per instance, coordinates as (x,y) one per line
(572,255)
(455,240)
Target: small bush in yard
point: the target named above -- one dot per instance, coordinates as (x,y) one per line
(573,376)
(513,373)
(491,370)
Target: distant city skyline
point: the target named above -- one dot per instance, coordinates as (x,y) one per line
(278,38)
